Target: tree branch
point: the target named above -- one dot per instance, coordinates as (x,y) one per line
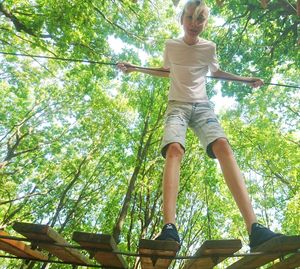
(114,24)
(17,23)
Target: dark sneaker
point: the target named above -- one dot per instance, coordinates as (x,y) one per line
(169,232)
(260,234)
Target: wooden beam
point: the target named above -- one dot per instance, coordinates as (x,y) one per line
(280,246)
(157,249)
(288,263)
(212,252)
(46,239)
(103,245)
(298,8)
(19,249)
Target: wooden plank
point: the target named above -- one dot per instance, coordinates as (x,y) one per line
(104,245)
(290,262)
(212,252)
(157,249)
(273,249)
(48,237)
(19,249)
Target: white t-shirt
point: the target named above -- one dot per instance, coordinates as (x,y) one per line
(189,65)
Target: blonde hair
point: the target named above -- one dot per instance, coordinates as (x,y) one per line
(201,9)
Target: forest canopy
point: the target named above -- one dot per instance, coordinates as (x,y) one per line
(80,142)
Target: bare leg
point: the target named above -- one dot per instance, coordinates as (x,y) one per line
(234,180)
(171,181)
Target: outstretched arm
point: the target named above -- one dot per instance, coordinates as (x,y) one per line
(253,81)
(158,72)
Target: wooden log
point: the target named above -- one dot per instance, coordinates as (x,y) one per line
(46,238)
(19,249)
(213,252)
(273,249)
(103,245)
(298,8)
(157,249)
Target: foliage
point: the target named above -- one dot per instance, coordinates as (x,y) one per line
(80,143)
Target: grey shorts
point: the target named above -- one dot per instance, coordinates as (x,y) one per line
(200,117)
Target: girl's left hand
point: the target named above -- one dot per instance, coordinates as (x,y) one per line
(256,82)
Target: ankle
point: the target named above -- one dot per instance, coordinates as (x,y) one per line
(250,225)
(169,225)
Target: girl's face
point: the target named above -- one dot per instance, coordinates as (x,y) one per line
(193,25)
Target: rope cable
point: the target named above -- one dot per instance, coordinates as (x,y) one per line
(137,67)
(53,261)
(150,256)
(35,242)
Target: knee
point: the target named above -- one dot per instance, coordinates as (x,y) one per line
(175,150)
(221,147)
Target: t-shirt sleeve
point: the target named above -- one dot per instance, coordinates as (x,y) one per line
(214,64)
(166,63)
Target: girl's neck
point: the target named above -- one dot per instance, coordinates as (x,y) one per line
(190,41)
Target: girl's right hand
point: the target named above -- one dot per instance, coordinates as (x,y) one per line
(126,67)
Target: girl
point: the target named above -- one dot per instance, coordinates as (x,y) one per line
(187,61)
